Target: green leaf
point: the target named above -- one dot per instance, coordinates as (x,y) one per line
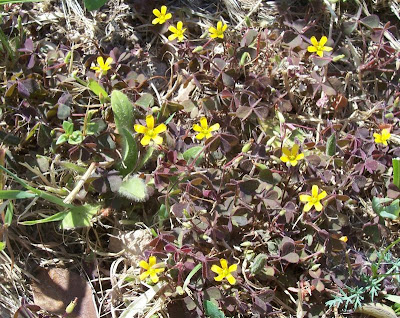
(9,214)
(62,139)
(393,298)
(396,172)
(76,138)
(331,145)
(212,310)
(15,194)
(145,158)
(53,218)
(68,127)
(96,88)
(79,216)
(192,153)
(123,111)
(2,246)
(94,4)
(145,101)
(130,153)
(134,189)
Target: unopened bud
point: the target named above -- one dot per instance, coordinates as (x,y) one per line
(70,308)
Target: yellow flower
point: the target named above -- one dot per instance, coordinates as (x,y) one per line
(162,15)
(152,269)
(219,31)
(292,156)
(177,32)
(313,200)
(203,130)
(383,137)
(103,67)
(319,46)
(343,239)
(149,132)
(225,271)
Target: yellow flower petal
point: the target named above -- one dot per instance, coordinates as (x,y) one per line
(197,127)
(305,198)
(157,13)
(323,41)
(203,123)
(219,277)
(322,195)
(155,21)
(224,27)
(318,206)
(173,30)
(300,156)
(109,61)
(312,49)
(314,41)
(150,122)
(144,275)
(200,136)
(344,239)
(284,159)
(179,25)
(314,191)
(308,207)
(143,264)
(172,37)
(160,129)
(216,269)
(385,134)
(214,127)
(286,151)
(231,279)
(293,163)
(140,129)
(219,26)
(158,140)
(163,10)
(224,263)
(100,61)
(154,278)
(208,135)
(168,16)
(320,53)
(295,150)
(327,48)
(152,261)
(95,68)
(232,268)
(159,270)
(145,140)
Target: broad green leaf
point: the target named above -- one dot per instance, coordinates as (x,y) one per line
(331,145)
(134,189)
(130,153)
(212,310)
(53,218)
(145,101)
(62,139)
(192,153)
(96,88)
(145,158)
(16,194)
(79,216)
(76,138)
(123,111)
(94,4)
(68,127)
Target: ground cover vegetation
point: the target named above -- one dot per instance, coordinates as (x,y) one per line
(197,162)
